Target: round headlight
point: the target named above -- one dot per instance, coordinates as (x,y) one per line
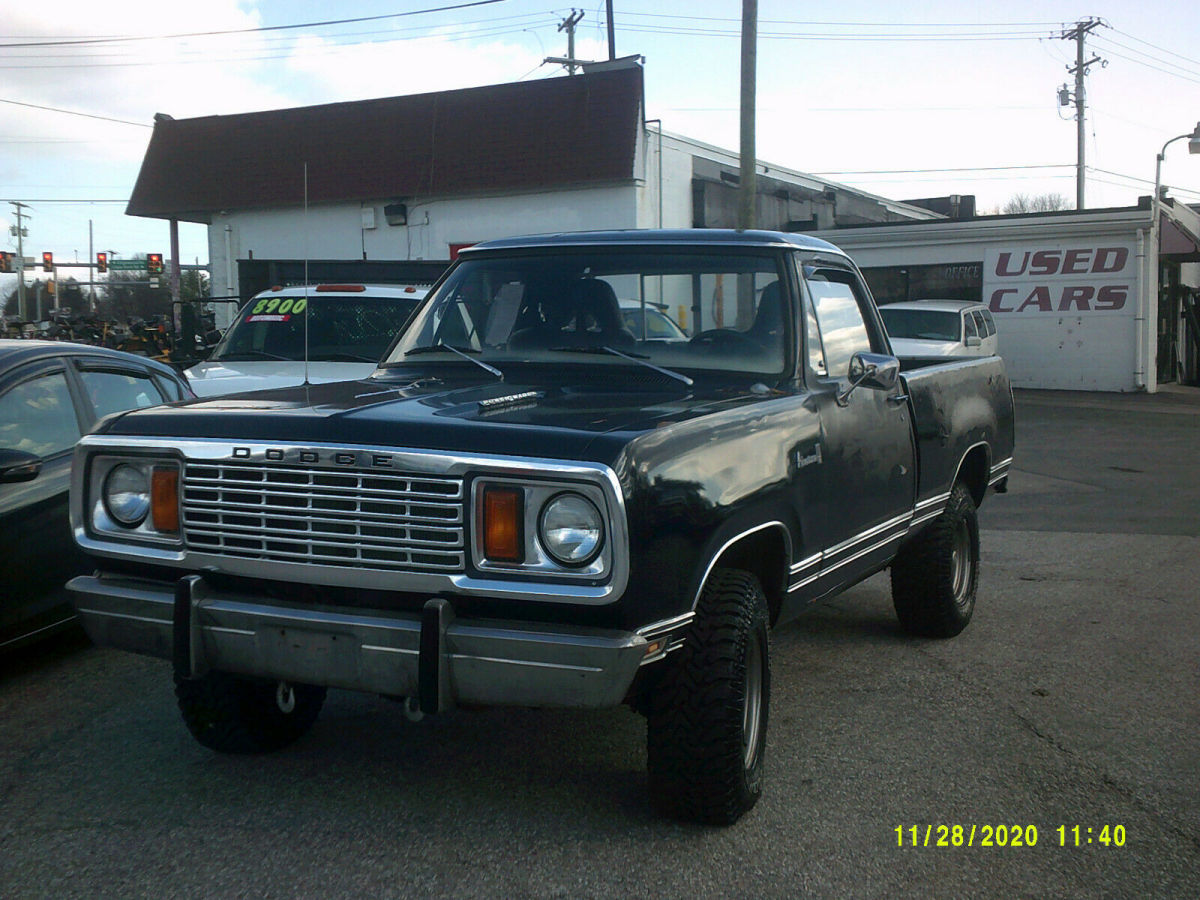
(127,495)
(571,529)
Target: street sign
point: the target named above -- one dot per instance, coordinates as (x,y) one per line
(127,265)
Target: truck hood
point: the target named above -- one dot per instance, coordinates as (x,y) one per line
(216,379)
(552,417)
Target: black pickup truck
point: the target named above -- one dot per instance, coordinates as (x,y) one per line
(537,500)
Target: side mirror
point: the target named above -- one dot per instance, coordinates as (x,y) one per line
(874,371)
(973,341)
(17,466)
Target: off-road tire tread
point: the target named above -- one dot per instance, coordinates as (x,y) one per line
(694,731)
(233,714)
(923,575)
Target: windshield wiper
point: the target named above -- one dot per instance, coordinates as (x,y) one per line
(341,357)
(639,359)
(244,355)
(457,351)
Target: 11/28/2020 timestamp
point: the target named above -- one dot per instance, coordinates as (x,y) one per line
(980,835)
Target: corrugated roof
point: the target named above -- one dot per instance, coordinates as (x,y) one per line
(530,135)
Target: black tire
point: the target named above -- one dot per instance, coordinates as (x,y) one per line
(707,721)
(232,714)
(936,574)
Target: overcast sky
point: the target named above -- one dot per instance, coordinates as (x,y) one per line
(912,100)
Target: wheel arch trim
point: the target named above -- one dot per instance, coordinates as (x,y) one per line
(977,485)
(741,536)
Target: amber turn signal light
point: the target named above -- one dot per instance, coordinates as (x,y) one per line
(503,511)
(164,499)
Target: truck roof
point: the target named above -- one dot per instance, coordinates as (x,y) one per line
(356,289)
(677,236)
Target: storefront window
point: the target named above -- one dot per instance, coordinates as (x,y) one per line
(942,281)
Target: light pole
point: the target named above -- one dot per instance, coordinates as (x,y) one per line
(1156,205)
(1156,212)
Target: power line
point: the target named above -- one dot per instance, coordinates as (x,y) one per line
(1143,53)
(192,57)
(959,177)
(1123,175)
(260,29)
(844,24)
(847,36)
(491,24)
(825,109)
(1192,69)
(1156,47)
(71,112)
(962,169)
(1127,187)
(1149,66)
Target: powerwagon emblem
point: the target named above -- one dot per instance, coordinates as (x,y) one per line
(813,458)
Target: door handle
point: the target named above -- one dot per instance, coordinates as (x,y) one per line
(898,399)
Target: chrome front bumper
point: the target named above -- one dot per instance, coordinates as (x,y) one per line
(431,655)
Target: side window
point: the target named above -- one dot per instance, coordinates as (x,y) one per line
(172,390)
(969,329)
(981,324)
(840,318)
(816,352)
(988,321)
(37,416)
(111,392)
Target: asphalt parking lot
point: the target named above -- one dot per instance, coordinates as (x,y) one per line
(1071,702)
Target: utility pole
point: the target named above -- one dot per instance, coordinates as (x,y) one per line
(1078,34)
(746,217)
(612,37)
(92,271)
(21,232)
(568,25)
(747,187)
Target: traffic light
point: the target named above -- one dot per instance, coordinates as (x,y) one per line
(6,261)
(154,263)
(47,261)
(101,263)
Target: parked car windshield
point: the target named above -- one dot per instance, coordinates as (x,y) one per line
(717,309)
(340,329)
(922,324)
(648,322)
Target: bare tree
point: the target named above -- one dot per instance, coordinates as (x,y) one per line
(1024,203)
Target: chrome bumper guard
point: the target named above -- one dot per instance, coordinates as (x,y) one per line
(432,655)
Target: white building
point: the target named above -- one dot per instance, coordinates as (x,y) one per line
(396,186)
(1083,300)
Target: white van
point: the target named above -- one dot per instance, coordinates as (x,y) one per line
(924,328)
(347,328)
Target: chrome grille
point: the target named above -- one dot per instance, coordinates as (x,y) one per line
(322,516)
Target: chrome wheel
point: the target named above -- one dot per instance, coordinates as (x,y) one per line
(752,702)
(960,563)
(285,697)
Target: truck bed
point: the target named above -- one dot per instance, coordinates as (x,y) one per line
(956,406)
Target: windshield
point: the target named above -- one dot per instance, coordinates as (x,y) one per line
(922,324)
(340,329)
(718,309)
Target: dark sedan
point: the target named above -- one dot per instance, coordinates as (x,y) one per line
(50,394)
